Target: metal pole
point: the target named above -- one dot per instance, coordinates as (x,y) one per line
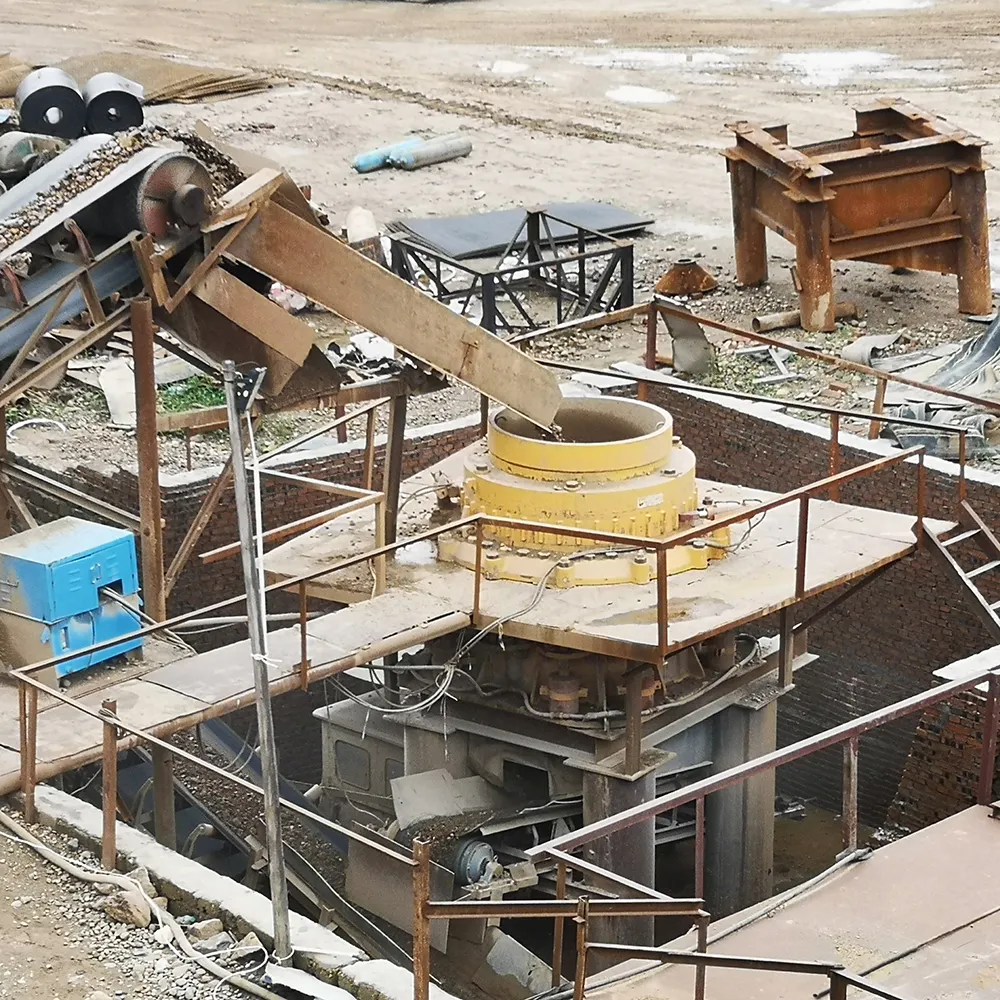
(633,721)
(154,591)
(849,794)
(265,722)
(164,817)
(834,454)
(28,698)
(699,847)
(702,946)
(559,928)
(988,761)
(581,920)
(802,541)
(109,786)
(421,924)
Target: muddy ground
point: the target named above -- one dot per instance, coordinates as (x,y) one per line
(566,100)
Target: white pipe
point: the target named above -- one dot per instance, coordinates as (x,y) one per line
(124,882)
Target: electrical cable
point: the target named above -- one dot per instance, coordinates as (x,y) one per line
(417,493)
(119,599)
(163,917)
(90,781)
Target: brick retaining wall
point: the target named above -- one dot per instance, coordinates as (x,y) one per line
(880,645)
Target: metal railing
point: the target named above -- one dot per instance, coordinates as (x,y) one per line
(658,307)
(847,734)
(478,523)
(642,902)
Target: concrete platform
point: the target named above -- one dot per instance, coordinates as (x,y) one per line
(935,893)
(758,578)
(176,696)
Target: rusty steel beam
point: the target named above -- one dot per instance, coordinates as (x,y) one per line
(154,591)
(421,920)
(901,165)
(451,909)
(717,961)
(849,796)
(109,785)
(807,352)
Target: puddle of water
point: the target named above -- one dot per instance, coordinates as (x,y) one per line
(505,67)
(418,554)
(661,59)
(639,95)
(871,6)
(829,69)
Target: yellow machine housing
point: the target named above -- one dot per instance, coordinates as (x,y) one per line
(616,467)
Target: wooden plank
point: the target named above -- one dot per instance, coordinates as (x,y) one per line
(324,269)
(211,418)
(257,314)
(236,203)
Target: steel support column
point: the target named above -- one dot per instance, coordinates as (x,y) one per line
(968,199)
(151,531)
(109,786)
(749,234)
(812,258)
(393,470)
(630,853)
(164,818)
(739,841)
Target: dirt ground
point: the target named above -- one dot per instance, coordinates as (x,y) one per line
(41,956)
(564,100)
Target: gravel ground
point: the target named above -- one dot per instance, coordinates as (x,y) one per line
(58,943)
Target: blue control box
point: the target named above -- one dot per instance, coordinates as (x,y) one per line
(51,600)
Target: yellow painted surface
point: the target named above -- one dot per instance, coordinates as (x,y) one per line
(622,472)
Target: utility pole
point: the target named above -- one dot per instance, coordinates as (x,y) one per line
(239,399)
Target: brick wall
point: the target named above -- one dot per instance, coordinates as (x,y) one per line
(883,643)
(182,495)
(942,773)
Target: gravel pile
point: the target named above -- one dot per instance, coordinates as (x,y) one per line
(75,913)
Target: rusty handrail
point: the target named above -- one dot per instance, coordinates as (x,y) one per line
(833,412)
(776,758)
(108,717)
(654,544)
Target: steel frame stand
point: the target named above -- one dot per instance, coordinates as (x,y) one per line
(907,189)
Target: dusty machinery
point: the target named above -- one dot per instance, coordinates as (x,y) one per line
(615,466)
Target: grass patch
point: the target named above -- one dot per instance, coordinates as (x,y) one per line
(196,393)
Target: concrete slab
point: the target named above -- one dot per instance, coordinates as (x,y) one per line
(358,626)
(845,542)
(941,884)
(64,731)
(223,673)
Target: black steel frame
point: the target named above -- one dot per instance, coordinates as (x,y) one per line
(538,266)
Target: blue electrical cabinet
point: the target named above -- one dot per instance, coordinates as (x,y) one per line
(51,578)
